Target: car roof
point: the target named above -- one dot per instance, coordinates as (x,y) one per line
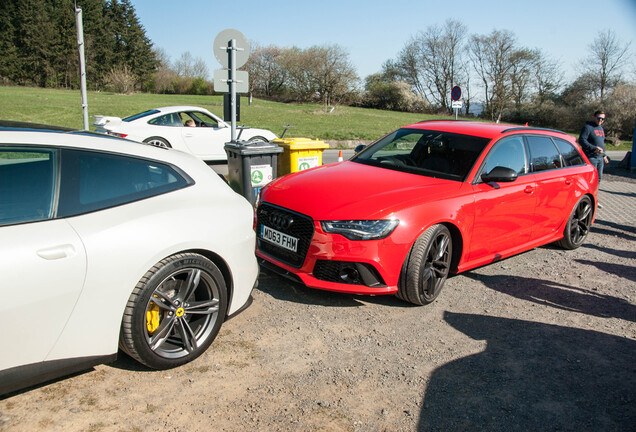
(475,128)
(180,108)
(22,133)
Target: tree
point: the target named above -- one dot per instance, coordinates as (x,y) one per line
(521,74)
(9,57)
(547,76)
(267,74)
(606,61)
(383,93)
(492,57)
(431,62)
(332,73)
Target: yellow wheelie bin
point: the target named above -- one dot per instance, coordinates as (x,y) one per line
(299,154)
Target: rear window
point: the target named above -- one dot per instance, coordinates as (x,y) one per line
(140,115)
(93,181)
(571,155)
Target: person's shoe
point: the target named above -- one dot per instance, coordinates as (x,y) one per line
(599,205)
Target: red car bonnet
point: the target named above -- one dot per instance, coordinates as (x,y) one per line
(351,190)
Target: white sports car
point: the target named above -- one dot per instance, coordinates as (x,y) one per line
(167,127)
(106,243)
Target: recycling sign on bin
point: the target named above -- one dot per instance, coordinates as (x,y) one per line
(261,175)
(307,162)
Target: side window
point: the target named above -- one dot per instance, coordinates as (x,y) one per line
(202,119)
(543,153)
(571,155)
(507,153)
(172,119)
(27,184)
(94,181)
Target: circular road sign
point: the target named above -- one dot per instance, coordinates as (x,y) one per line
(456,93)
(222,44)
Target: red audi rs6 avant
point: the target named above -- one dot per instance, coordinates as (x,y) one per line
(426,200)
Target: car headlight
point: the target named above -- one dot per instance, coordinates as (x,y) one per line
(361,229)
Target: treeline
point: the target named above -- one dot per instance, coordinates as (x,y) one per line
(38,42)
(506,81)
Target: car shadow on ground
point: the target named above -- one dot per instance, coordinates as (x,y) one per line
(558,295)
(286,290)
(616,252)
(533,376)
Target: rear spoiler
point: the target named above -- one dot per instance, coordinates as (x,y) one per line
(101,121)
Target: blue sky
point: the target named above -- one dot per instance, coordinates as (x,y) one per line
(374,31)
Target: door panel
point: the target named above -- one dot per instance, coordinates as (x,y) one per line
(43,266)
(504,217)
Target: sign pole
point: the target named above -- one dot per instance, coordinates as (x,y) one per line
(233,86)
(82,62)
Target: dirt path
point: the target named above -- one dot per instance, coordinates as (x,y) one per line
(542,341)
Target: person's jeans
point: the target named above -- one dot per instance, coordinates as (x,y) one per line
(598,163)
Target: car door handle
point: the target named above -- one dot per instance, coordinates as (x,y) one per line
(529,189)
(57,252)
(188,135)
(568,182)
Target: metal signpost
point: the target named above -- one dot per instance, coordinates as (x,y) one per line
(82,62)
(232,50)
(456,104)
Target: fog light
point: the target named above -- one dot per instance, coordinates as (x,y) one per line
(349,275)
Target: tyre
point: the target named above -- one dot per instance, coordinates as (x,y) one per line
(158,142)
(257,138)
(175,311)
(578,225)
(427,266)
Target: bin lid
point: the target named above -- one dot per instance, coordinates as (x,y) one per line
(301,143)
(254,147)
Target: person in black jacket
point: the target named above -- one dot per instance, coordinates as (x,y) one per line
(592,141)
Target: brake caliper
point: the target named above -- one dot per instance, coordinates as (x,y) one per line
(152,317)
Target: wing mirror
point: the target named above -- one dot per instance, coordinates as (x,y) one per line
(359,148)
(499,174)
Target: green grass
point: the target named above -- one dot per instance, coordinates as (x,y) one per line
(64,108)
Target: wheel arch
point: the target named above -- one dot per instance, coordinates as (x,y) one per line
(458,244)
(223,267)
(157,137)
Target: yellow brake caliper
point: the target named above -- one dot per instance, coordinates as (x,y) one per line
(152,317)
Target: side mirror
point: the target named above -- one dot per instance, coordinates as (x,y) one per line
(499,174)
(359,148)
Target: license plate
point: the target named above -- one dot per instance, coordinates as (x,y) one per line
(278,238)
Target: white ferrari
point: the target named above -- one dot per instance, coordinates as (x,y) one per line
(191,129)
(107,244)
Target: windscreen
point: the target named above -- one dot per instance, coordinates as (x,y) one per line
(426,152)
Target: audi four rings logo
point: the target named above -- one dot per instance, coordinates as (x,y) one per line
(281,221)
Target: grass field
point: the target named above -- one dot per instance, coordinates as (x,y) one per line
(64,108)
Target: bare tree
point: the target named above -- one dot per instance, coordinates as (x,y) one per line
(521,74)
(191,67)
(492,57)
(334,75)
(547,77)
(322,73)
(431,62)
(606,61)
(267,74)
(164,75)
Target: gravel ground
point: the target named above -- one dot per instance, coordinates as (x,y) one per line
(545,340)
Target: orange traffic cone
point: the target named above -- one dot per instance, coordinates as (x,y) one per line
(340,159)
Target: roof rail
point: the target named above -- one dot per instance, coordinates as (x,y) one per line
(424,121)
(527,128)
